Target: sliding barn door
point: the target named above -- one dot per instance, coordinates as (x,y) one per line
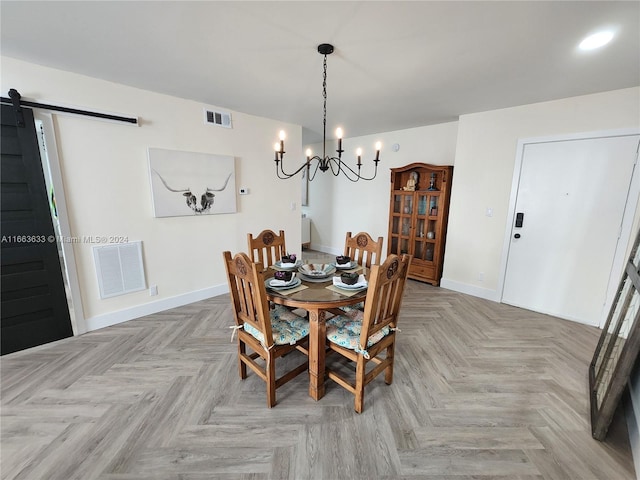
(33,304)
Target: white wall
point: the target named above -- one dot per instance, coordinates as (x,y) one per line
(337,206)
(484,165)
(106,181)
(483,154)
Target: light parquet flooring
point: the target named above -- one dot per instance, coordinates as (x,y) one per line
(481,391)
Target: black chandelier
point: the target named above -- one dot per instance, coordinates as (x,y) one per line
(324,163)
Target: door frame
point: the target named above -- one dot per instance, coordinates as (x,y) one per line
(78,321)
(625,234)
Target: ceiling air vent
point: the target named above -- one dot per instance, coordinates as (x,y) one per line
(222,119)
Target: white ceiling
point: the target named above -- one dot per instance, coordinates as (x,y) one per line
(397,64)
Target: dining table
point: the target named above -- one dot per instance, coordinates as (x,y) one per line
(318,296)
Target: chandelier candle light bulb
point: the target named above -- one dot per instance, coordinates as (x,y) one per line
(325,162)
(339,135)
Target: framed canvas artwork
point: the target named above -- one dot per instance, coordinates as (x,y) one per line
(190,183)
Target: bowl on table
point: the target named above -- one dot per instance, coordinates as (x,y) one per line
(343,260)
(288,259)
(283,276)
(349,278)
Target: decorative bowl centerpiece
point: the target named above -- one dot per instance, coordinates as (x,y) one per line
(283,276)
(288,259)
(343,260)
(349,278)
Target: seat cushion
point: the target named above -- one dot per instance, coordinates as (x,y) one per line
(353,308)
(286,327)
(345,331)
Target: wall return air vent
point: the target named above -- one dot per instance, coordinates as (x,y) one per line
(217,117)
(119,268)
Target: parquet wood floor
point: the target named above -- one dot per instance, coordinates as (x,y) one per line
(481,391)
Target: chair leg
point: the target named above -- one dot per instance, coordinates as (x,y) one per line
(388,372)
(242,350)
(359,390)
(270,370)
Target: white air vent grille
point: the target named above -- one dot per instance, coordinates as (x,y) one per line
(119,268)
(222,119)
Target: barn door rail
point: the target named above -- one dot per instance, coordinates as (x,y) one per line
(15,99)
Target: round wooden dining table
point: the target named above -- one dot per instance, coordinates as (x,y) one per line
(316,299)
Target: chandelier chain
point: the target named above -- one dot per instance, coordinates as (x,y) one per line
(324,96)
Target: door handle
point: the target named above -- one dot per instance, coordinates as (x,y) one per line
(517,235)
(519,219)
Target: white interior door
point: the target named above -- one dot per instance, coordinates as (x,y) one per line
(571,197)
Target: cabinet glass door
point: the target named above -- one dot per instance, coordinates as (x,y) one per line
(401,222)
(434,206)
(407,204)
(423,240)
(423,200)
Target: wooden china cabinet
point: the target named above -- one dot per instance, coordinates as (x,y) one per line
(418,218)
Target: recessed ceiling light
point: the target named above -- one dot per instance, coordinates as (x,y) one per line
(596,40)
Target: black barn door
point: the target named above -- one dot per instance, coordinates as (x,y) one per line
(33,303)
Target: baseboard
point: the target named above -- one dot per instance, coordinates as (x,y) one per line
(470,290)
(326,249)
(113,318)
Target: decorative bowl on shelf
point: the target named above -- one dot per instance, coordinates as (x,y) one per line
(288,259)
(343,260)
(284,276)
(349,278)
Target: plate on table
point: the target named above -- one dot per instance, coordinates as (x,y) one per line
(350,288)
(287,266)
(317,270)
(345,266)
(294,283)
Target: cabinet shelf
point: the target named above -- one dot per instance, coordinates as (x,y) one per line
(416,215)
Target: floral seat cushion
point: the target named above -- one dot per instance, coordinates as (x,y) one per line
(353,308)
(286,327)
(345,331)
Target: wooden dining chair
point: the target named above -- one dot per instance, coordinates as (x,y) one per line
(267,247)
(370,336)
(363,249)
(366,252)
(270,334)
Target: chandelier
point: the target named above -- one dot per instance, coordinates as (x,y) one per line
(326,162)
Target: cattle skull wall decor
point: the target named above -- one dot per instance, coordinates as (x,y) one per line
(206,200)
(187,183)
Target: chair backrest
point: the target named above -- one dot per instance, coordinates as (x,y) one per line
(384,295)
(363,249)
(248,293)
(267,247)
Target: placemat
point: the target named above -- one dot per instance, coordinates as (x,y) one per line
(341,291)
(292,290)
(351,270)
